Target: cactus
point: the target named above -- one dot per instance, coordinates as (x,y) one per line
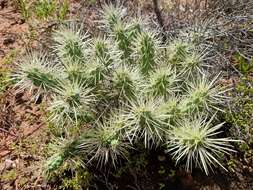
(129,87)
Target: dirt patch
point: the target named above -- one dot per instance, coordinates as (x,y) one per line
(23,142)
(17,109)
(20,117)
(12,29)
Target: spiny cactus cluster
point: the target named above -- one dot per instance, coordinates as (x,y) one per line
(129,87)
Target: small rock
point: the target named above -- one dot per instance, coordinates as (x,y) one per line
(9,164)
(8,40)
(4,153)
(211,187)
(3,3)
(161,158)
(2,53)
(187,180)
(21,21)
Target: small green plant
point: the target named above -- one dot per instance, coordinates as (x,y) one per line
(240,113)
(24,6)
(9,58)
(243,65)
(71,176)
(45,8)
(126,87)
(63,9)
(9,175)
(4,79)
(5,71)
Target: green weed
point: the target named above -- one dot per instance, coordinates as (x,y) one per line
(9,175)
(240,113)
(45,8)
(63,10)
(243,65)
(24,6)
(5,71)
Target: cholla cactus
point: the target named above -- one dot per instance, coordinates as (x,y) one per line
(71,42)
(103,51)
(194,141)
(170,109)
(177,51)
(163,82)
(112,15)
(202,95)
(144,123)
(71,102)
(131,88)
(104,144)
(64,149)
(192,65)
(146,48)
(36,71)
(126,82)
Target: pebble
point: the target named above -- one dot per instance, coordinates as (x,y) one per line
(3,3)
(161,158)
(8,40)
(211,187)
(9,164)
